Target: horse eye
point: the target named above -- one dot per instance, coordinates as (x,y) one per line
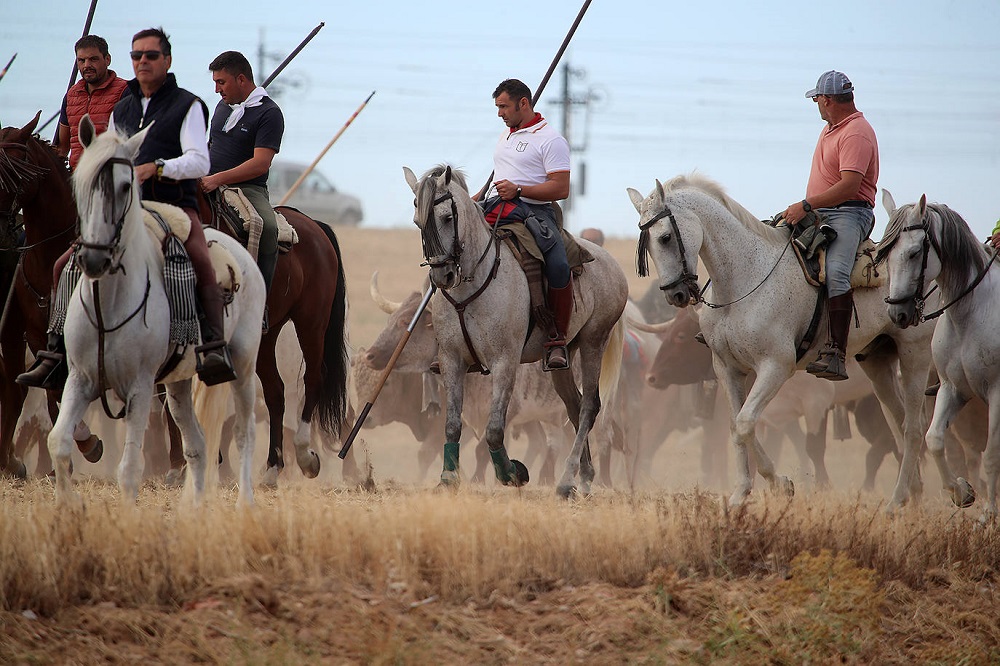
(664,239)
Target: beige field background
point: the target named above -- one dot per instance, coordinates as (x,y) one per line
(322,571)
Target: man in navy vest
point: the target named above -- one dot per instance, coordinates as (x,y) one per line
(172,158)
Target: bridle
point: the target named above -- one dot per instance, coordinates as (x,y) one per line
(919,300)
(112,247)
(687,276)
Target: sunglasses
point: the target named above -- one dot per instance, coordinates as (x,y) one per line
(150,55)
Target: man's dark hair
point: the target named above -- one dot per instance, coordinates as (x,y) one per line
(843,98)
(232,62)
(155,32)
(515,90)
(92,42)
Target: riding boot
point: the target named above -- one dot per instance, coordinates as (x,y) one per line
(214,363)
(267,262)
(49,370)
(831,363)
(561,302)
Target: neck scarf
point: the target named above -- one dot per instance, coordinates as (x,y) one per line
(252,100)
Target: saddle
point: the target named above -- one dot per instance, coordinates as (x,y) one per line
(229,205)
(810,241)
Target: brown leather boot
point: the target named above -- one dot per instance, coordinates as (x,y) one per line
(49,370)
(561,302)
(831,363)
(214,363)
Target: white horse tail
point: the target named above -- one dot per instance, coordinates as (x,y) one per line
(611,362)
(211,407)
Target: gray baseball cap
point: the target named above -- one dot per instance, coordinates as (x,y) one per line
(831,83)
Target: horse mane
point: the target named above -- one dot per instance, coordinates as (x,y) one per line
(89,167)
(714,190)
(426,191)
(438,170)
(16,171)
(959,246)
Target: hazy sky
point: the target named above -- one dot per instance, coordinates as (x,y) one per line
(674,86)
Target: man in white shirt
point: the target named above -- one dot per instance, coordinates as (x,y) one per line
(531,166)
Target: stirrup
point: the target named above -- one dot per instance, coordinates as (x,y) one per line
(552,347)
(829,365)
(49,371)
(214,363)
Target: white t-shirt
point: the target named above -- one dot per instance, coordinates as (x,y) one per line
(526,156)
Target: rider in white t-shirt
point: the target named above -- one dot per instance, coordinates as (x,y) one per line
(531,166)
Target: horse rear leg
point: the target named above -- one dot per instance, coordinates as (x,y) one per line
(311,342)
(947,405)
(244,425)
(582,411)
(274,399)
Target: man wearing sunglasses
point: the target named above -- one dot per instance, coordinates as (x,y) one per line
(96,93)
(170,161)
(841,189)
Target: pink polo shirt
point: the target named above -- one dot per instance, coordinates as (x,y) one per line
(850,145)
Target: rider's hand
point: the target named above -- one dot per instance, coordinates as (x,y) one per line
(210,183)
(995,240)
(144,172)
(506,189)
(794,214)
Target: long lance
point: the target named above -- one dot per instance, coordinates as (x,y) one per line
(72,77)
(385,373)
(291,56)
(295,185)
(430,291)
(7,66)
(548,74)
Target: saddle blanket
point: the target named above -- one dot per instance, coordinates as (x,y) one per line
(223,261)
(252,221)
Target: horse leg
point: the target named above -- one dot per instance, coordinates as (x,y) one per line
(244,425)
(991,458)
(12,397)
(816,448)
(503,385)
(454,380)
(582,409)
(133,461)
(60,440)
(192,436)
(312,382)
(274,399)
(175,476)
(946,406)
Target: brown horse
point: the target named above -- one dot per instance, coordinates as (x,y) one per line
(308,290)
(35,179)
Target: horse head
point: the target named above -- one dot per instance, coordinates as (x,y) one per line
(672,241)
(107,194)
(20,174)
(911,249)
(441,194)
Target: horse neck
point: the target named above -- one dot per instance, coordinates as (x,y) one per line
(476,237)
(732,251)
(50,215)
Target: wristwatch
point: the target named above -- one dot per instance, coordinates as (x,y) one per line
(160,163)
(518,193)
(806,207)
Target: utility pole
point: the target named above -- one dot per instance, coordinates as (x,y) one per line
(568,101)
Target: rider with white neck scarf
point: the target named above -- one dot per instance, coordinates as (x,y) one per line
(244,137)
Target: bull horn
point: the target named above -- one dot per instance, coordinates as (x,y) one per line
(381,301)
(662,327)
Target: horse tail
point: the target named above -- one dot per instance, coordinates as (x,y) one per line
(211,409)
(332,400)
(611,362)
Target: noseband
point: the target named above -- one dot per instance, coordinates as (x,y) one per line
(431,240)
(687,276)
(120,221)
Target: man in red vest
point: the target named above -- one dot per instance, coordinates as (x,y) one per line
(96,93)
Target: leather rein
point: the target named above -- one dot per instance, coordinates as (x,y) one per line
(454,257)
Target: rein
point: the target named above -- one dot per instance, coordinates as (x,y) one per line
(454,257)
(687,276)
(918,299)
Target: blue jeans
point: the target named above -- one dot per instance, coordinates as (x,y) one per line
(853,225)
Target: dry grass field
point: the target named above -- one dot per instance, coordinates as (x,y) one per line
(400,573)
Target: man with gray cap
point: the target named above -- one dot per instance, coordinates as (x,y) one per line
(841,189)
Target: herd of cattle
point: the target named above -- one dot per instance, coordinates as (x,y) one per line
(666,388)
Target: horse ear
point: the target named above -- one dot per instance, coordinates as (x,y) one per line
(447,175)
(636,198)
(411,179)
(30,127)
(922,205)
(134,142)
(888,202)
(659,188)
(87,130)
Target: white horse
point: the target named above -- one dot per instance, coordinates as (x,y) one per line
(932,242)
(763,309)
(476,272)
(118,323)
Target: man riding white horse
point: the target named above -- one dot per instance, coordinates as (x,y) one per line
(531,164)
(841,189)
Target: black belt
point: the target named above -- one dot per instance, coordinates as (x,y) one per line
(854,203)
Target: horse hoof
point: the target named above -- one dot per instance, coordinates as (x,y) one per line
(786,486)
(175,478)
(310,465)
(566,492)
(449,481)
(270,477)
(16,469)
(963,495)
(94,448)
(520,476)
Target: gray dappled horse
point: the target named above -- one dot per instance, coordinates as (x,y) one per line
(470,266)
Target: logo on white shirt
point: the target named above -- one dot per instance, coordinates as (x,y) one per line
(521,146)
